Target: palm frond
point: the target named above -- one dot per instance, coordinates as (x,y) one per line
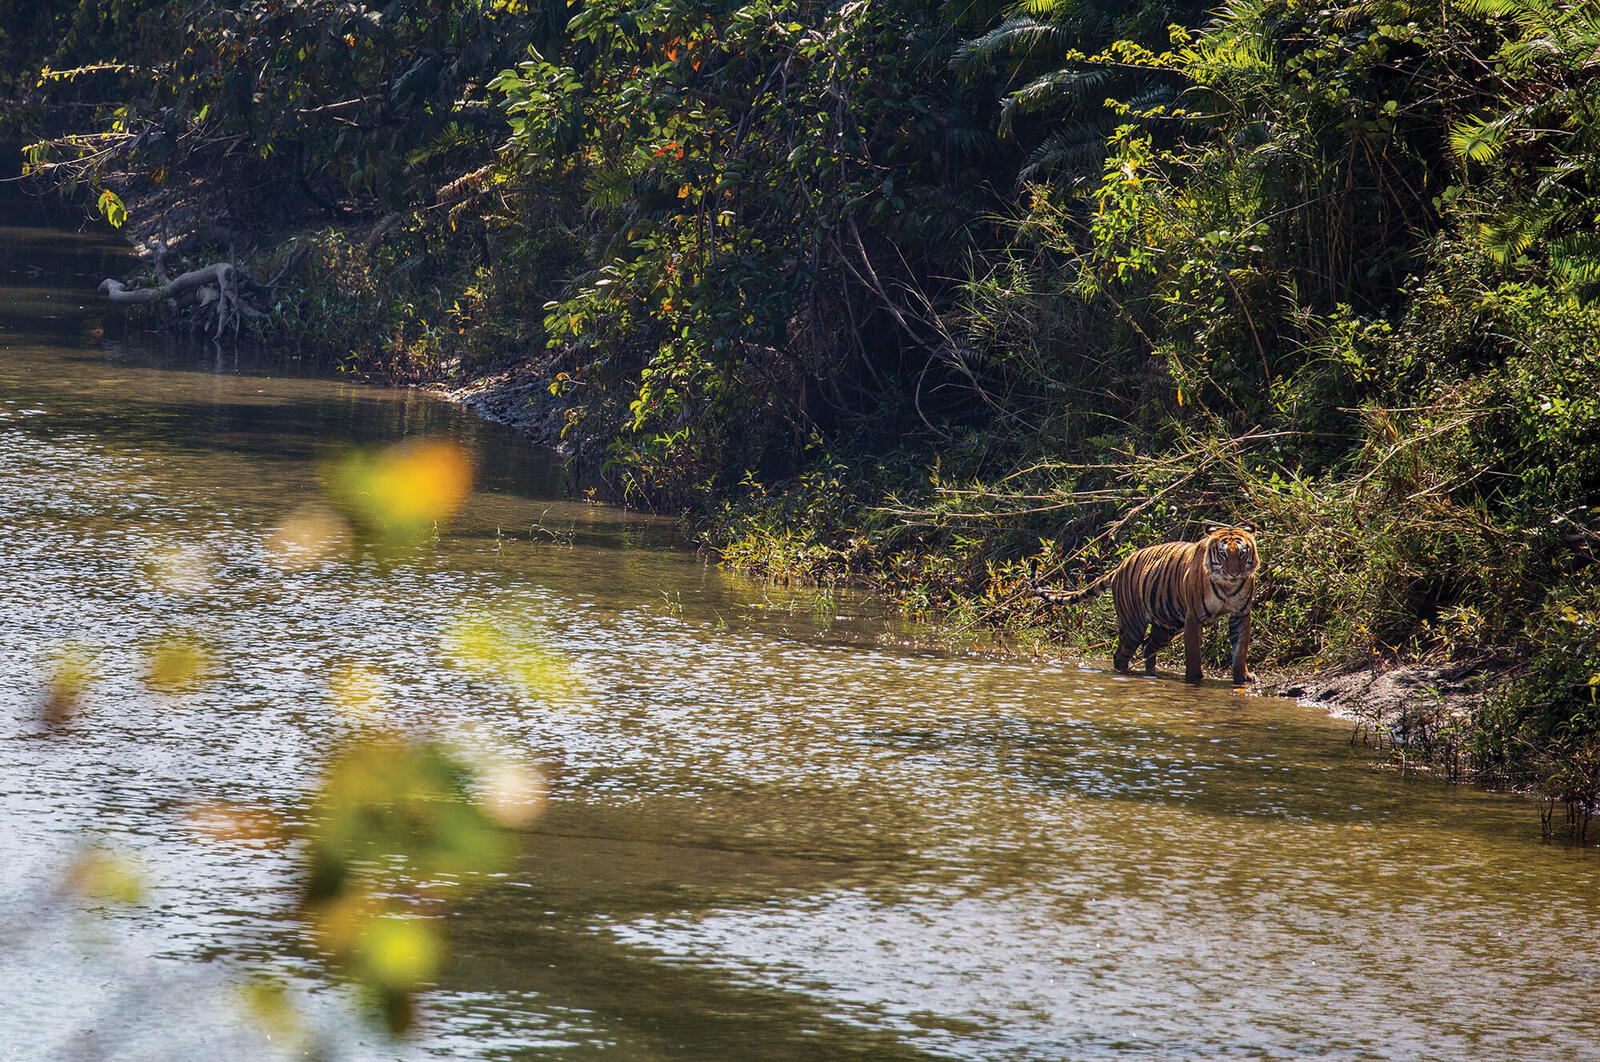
(1013,43)
(972,13)
(1076,153)
(1510,236)
(1575,261)
(966,142)
(1060,91)
(1479,140)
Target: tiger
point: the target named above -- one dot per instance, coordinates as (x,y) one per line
(1180,586)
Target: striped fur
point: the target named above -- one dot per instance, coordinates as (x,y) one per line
(1180,587)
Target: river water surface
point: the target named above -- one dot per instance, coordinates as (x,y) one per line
(776,832)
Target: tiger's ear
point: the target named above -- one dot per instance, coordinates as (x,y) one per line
(1211,525)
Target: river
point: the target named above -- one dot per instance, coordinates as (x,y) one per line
(777,830)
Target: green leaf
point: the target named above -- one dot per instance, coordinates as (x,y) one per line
(112,208)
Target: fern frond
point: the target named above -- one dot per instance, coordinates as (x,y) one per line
(965,141)
(1478,139)
(1221,55)
(1492,8)
(1058,91)
(1396,11)
(1241,13)
(1153,94)
(1043,8)
(971,13)
(1079,152)
(1575,259)
(1278,149)
(1013,41)
(1509,237)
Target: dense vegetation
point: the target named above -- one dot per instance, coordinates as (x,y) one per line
(917,293)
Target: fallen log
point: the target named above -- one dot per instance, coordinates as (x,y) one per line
(216,283)
(217,275)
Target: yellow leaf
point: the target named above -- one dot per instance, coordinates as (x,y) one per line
(71,675)
(400,952)
(411,485)
(111,206)
(267,1004)
(176,662)
(491,646)
(104,876)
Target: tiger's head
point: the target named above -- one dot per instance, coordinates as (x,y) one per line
(1230,552)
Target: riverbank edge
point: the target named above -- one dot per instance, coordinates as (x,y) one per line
(1418,707)
(1422,711)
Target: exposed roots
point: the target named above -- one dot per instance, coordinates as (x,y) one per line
(221,294)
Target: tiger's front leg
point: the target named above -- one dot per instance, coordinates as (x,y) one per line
(1191,650)
(1239,632)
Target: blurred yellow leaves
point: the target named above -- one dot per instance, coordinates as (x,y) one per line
(490,646)
(401,822)
(387,499)
(404,489)
(266,1003)
(399,825)
(405,805)
(105,877)
(176,662)
(400,951)
(71,673)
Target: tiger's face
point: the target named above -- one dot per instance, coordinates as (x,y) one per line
(1231,553)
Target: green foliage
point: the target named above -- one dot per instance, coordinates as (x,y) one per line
(1534,142)
(111,206)
(1543,732)
(401,823)
(1062,66)
(334,99)
(765,182)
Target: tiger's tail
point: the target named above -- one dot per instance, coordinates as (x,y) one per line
(1070,597)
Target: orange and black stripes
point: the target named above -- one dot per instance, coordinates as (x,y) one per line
(1176,587)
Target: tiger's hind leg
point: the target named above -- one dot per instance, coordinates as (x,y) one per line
(1159,638)
(1129,638)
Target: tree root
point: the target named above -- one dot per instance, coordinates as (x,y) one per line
(218,290)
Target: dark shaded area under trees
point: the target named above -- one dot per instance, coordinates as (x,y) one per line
(914,293)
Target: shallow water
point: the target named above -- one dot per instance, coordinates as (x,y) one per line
(777,832)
